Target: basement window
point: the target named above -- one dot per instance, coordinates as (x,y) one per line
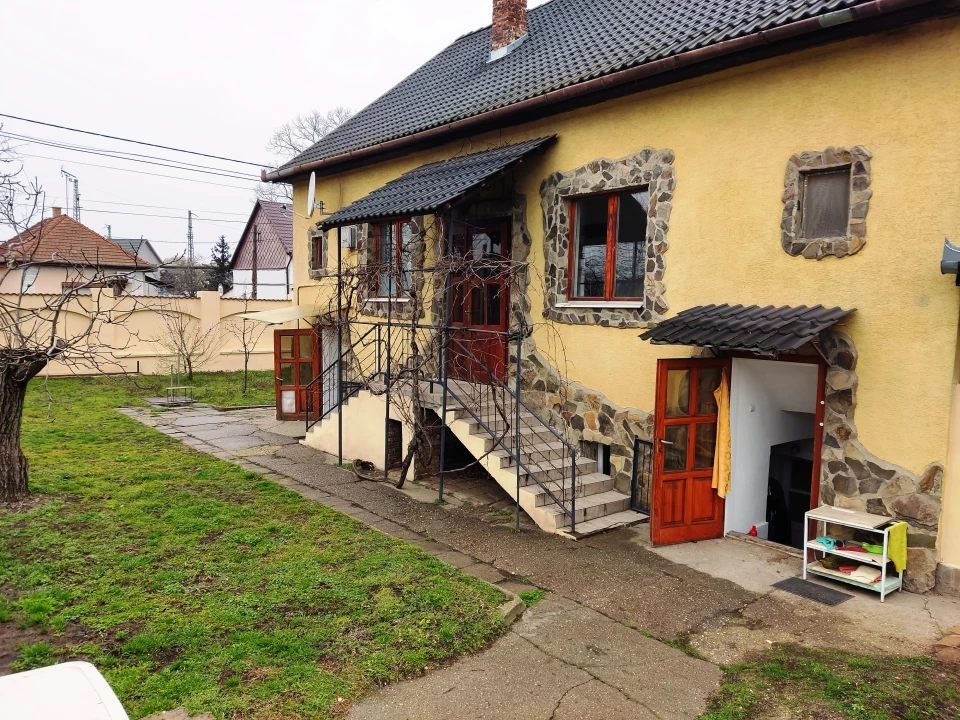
(599,452)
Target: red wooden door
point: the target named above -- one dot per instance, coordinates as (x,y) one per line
(296,356)
(480,302)
(685,507)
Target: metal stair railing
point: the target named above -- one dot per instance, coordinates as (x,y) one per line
(362,352)
(511,413)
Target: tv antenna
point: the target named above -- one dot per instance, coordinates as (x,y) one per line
(68,178)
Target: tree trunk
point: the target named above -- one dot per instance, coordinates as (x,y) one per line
(189,368)
(246,364)
(14,469)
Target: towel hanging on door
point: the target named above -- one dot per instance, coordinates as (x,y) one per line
(721,456)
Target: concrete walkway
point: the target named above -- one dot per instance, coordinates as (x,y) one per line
(577,653)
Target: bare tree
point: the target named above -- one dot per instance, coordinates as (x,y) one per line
(295,136)
(189,347)
(184,279)
(248,334)
(36,329)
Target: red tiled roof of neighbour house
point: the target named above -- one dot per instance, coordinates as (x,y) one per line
(274,221)
(61,240)
(576,50)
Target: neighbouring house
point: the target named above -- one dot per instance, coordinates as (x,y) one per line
(144,250)
(262,260)
(58,252)
(620,230)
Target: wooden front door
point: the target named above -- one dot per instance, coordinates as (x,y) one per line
(296,357)
(685,506)
(480,302)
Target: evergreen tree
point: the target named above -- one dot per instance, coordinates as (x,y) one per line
(220,273)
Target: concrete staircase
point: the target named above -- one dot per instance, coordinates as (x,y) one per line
(486,430)
(545,472)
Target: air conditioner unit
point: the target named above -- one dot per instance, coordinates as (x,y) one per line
(348,237)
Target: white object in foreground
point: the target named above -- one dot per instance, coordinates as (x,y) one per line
(69,691)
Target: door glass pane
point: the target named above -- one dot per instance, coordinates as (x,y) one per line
(306,346)
(591,249)
(493,305)
(826,203)
(631,244)
(678,393)
(476,305)
(306,372)
(675,447)
(707,383)
(286,374)
(705,443)
(286,347)
(288,402)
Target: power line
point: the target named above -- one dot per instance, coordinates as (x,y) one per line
(137,142)
(119,154)
(176,217)
(138,172)
(164,207)
(228,174)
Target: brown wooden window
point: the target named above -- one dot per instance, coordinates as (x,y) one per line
(394,258)
(316,252)
(826,203)
(608,253)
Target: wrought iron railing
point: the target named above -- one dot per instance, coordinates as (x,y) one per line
(470,369)
(546,458)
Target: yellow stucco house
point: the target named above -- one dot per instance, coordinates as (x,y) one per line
(710,232)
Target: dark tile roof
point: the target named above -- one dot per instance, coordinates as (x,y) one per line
(570,41)
(61,240)
(765,330)
(140,247)
(430,187)
(280,216)
(274,221)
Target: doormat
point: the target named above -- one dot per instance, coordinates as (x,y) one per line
(812,591)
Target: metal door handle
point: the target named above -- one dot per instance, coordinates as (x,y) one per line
(666,442)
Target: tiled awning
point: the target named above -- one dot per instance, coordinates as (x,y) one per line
(431,187)
(765,330)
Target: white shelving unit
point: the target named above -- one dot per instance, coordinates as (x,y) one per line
(879,524)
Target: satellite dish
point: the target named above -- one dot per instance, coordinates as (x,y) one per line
(311,194)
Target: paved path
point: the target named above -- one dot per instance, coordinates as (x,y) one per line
(575,655)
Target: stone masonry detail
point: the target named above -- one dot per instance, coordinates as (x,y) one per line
(852,477)
(858,159)
(649,168)
(584,415)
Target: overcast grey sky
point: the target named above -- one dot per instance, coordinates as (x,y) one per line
(215,77)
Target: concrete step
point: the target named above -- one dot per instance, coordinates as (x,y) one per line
(607,522)
(587,485)
(588,508)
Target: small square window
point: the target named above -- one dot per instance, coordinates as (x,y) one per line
(348,237)
(826,203)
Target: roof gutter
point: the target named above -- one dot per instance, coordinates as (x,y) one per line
(691,57)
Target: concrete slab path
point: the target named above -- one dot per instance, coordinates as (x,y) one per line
(588,650)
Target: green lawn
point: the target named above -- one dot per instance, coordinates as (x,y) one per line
(806,684)
(216,388)
(189,581)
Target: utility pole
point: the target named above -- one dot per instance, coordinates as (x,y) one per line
(253,275)
(190,238)
(109,236)
(76,200)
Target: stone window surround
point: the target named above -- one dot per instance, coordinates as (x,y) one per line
(317,267)
(651,169)
(858,159)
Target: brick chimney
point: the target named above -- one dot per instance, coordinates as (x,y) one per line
(509,25)
(56,212)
